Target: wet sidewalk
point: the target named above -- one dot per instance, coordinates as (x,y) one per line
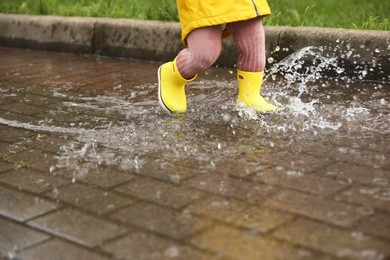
(92,168)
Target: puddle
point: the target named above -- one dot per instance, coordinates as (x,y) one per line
(321,120)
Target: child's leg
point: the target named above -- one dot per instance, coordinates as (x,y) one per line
(250,40)
(204,47)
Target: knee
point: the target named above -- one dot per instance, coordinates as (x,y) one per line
(208,57)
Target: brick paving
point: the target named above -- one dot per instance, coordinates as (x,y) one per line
(81,176)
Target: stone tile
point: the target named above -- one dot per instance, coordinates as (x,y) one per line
(141,245)
(102,176)
(226,185)
(175,224)
(364,157)
(162,193)
(343,243)
(59,250)
(377,224)
(3,148)
(352,173)
(240,244)
(10,134)
(377,197)
(24,109)
(4,167)
(86,197)
(20,206)
(31,180)
(242,166)
(316,207)
(299,181)
(14,237)
(45,142)
(287,161)
(167,169)
(34,99)
(35,159)
(78,227)
(240,213)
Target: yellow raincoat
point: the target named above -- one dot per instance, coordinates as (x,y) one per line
(194,14)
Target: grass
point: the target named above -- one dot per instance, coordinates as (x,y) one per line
(356,14)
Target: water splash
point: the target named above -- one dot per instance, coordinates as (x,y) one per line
(120,129)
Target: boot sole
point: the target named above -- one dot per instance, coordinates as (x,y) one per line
(160,100)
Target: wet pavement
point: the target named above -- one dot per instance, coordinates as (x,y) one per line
(92,168)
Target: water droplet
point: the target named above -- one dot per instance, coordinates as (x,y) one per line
(227,117)
(380,182)
(358,235)
(172,252)
(366,211)
(294,173)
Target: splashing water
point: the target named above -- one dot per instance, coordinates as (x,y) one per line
(128,130)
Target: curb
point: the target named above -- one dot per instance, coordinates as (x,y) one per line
(160,41)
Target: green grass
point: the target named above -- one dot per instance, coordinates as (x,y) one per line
(137,9)
(357,14)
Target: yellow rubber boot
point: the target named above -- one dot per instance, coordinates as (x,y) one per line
(249,85)
(171,88)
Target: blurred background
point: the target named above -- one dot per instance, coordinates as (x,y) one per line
(353,14)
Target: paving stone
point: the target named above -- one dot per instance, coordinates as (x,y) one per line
(160,192)
(24,109)
(377,224)
(175,224)
(78,227)
(240,244)
(364,157)
(168,170)
(288,162)
(316,207)
(103,177)
(299,181)
(377,197)
(3,147)
(240,213)
(242,166)
(86,197)
(20,206)
(49,83)
(352,173)
(232,187)
(31,180)
(46,142)
(141,245)
(59,250)
(36,159)
(10,134)
(14,237)
(4,167)
(33,99)
(351,244)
